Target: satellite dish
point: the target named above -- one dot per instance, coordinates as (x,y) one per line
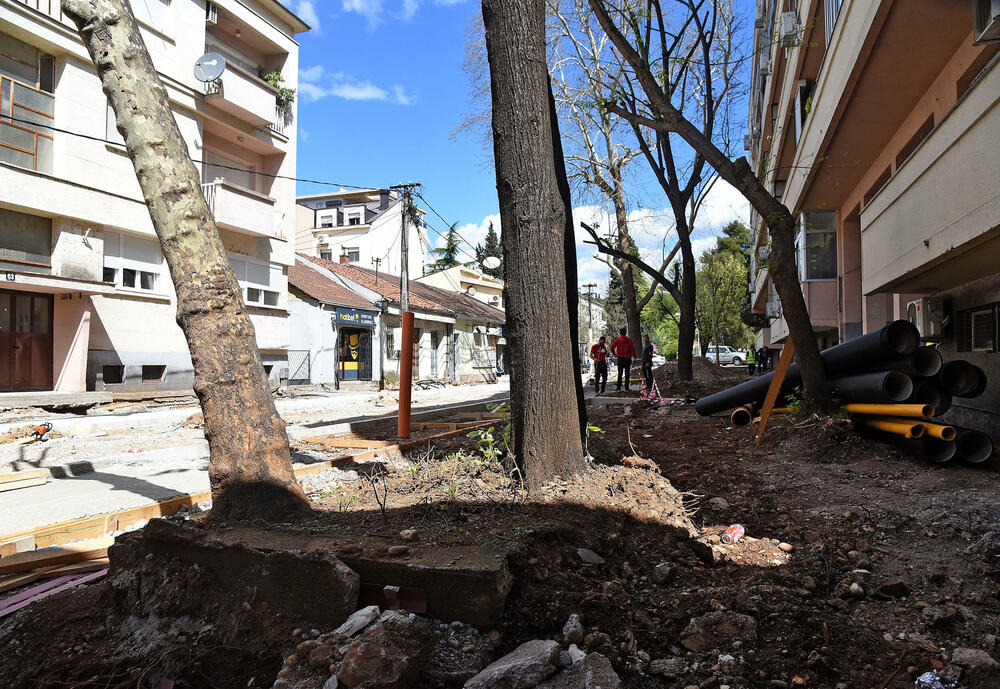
(470,290)
(491,262)
(209,67)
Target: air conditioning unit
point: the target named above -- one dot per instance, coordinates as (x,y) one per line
(772,309)
(791,30)
(926,314)
(211,13)
(986,21)
(323,238)
(765,67)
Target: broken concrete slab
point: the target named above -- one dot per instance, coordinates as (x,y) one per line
(247,564)
(592,672)
(718,630)
(524,667)
(461,583)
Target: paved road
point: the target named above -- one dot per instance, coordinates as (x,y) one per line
(174,462)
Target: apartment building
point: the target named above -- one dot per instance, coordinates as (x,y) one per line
(362,225)
(87,301)
(878,122)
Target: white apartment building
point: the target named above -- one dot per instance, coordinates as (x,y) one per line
(86,301)
(360,227)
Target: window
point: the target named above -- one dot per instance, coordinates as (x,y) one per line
(153,374)
(25,238)
(354,218)
(113,375)
(977,329)
(831,10)
(820,230)
(326,255)
(132,262)
(260,282)
(353,254)
(333,204)
(326,220)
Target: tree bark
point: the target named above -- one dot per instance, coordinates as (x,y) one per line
(686,306)
(250,469)
(545,417)
(632,324)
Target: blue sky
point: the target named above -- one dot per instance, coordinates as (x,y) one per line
(381,92)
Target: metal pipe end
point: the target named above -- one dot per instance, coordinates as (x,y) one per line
(927,362)
(973,446)
(897,386)
(903,337)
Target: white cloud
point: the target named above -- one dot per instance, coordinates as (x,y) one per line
(652,230)
(315,84)
(304,136)
(369,9)
(307,11)
(375,12)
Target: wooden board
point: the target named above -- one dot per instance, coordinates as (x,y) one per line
(18,545)
(57,555)
(13,581)
(777,380)
(349,442)
(14,476)
(23,483)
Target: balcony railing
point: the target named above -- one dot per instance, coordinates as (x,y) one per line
(243,210)
(243,95)
(51,8)
(26,118)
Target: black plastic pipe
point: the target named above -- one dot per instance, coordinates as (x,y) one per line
(931,392)
(881,386)
(933,450)
(893,341)
(961,378)
(974,447)
(926,362)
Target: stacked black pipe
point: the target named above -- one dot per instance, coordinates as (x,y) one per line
(886,366)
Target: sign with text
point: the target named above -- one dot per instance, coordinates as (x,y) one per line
(354,317)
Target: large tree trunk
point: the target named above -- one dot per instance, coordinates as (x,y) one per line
(569,256)
(545,419)
(686,315)
(250,468)
(632,324)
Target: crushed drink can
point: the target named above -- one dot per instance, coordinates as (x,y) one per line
(733,534)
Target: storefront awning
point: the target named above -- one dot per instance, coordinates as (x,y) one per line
(52,284)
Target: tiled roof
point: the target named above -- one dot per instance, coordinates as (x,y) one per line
(387,285)
(324,289)
(461,304)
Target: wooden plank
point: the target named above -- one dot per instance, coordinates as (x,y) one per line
(34,590)
(57,555)
(349,442)
(787,354)
(481,415)
(72,583)
(14,476)
(23,483)
(18,545)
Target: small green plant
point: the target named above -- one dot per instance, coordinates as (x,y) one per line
(284,96)
(489,444)
(794,400)
(523,531)
(586,442)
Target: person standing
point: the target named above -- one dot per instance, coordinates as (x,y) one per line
(599,355)
(623,348)
(647,362)
(751,360)
(763,359)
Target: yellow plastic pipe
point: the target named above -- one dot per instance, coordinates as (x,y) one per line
(914,410)
(903,427)
(937,430)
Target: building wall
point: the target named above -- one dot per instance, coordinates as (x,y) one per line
(476,363)
(92,188)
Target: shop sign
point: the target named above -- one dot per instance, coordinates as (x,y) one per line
(355,317)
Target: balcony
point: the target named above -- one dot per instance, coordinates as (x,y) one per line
(243,95)
(243,210)
(25,138)
(933,225)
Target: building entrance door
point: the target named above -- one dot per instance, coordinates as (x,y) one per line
(355,354)
(25,341)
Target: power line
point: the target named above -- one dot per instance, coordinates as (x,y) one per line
(193,160)
(450,225)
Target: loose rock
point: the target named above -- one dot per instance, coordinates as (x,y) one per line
(389,655)
(718,630)
(526,666)
(592,672)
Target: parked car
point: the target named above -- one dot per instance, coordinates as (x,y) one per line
(727,355)
(659,360)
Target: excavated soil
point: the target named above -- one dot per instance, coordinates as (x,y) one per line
(920,544)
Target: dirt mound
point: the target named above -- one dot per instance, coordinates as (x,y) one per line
(707,378)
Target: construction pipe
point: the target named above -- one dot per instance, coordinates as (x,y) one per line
(962,379)
(933,450)
(940,431)
(893,341)
(881,386)
(901,427)
(926,362)
(930,392)
(917,411)
(974,447)
(741,416)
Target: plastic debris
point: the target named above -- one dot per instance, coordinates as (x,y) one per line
(932,680)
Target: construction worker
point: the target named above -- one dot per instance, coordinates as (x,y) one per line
(599,355)
(647,362)
(623,348)
(751,360)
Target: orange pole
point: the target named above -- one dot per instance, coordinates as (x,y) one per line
(405,375)
(913,410)
(937,430)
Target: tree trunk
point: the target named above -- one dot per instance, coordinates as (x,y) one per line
(686,315)
(250,468)
(632,323)
(569,256)
(545,417)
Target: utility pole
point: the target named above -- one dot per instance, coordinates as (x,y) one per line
(405,315)
(590,310)
(376,262)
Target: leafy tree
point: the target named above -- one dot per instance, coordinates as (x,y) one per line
(736,240)
(447,254)
(722,284)
(492,247)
